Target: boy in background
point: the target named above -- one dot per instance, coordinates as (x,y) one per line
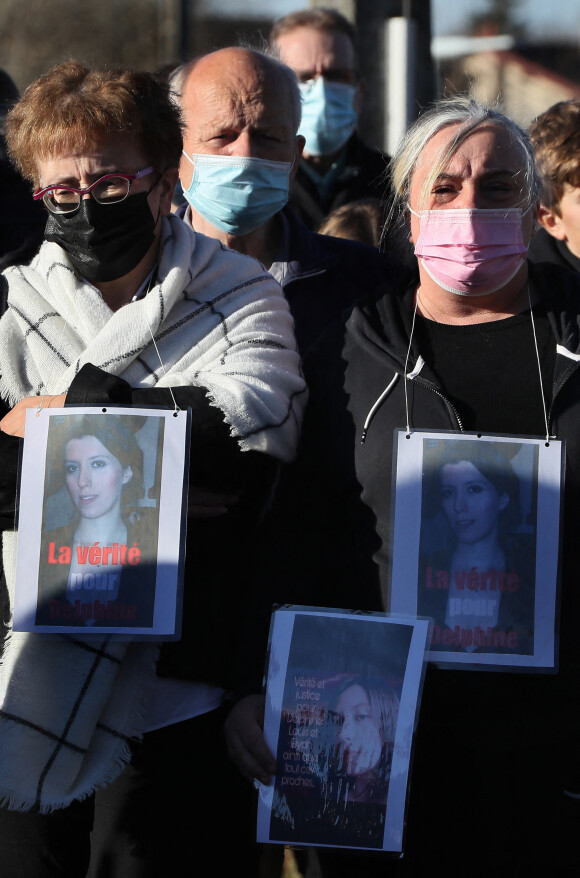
(555,136)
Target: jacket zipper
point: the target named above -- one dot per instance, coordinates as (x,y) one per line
(386,392)
(571,371)
(447,402)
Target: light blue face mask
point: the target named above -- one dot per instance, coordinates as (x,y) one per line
(328,115)
(237,194)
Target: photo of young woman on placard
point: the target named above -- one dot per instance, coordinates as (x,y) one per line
(99,566)
(338,728)
(477,570)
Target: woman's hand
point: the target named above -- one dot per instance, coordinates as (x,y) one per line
(13,423)
(245,739)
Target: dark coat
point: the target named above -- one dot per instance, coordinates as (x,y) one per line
(545,248)
(494,751)
(326,276)
(352,368)
(364,175)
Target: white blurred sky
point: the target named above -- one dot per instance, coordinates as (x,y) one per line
(544,17)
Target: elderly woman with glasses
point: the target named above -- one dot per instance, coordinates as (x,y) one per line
(124,304)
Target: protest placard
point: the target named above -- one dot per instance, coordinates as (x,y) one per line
(342,699)
(475,543)
(101,525)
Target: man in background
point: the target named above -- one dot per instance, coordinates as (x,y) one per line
(337,167)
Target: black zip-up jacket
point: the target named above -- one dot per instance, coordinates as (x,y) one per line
(494,751)
(357,388)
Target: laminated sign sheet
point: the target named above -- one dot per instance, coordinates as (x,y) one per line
(101,526)
(475,546)
(341,705)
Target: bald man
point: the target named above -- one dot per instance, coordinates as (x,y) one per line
(242,111)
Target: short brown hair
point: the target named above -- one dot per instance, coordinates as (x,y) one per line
(555,136)
(320,18)
(74,107)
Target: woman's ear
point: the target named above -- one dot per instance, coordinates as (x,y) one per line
(504,501)
(127,475)
(167,183)
(407,221)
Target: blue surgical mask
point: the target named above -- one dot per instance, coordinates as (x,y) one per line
(328,115)
(237,194)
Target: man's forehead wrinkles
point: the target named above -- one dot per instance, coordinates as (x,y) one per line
(215,106)
(249,103)
(225,99)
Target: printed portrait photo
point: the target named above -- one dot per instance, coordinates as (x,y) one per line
(478,544)
(338,726)
(100,523)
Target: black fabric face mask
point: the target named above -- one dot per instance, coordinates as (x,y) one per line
(104,241)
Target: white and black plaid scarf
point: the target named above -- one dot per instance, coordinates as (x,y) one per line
(69,706)
(219,320)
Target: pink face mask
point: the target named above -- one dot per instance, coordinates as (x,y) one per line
(471,252)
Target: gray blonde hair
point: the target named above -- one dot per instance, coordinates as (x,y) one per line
(468,115)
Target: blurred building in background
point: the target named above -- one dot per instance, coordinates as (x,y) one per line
(394,45)
(524,88)
(495,54)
